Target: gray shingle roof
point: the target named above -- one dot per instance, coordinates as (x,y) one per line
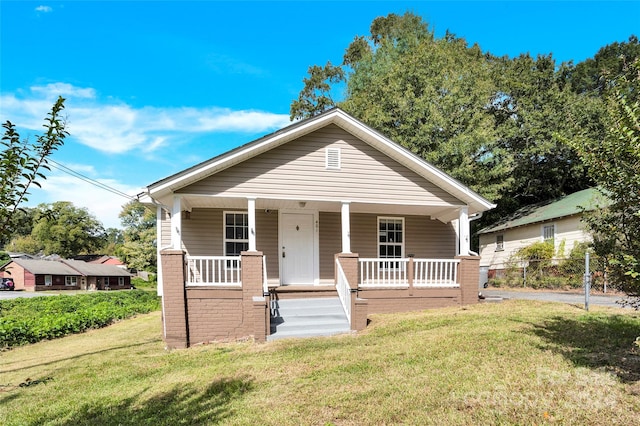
(70,267)
(96,269)
(46,267)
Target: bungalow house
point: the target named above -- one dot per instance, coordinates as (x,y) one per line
(558,221)
(326,207)
(38,275)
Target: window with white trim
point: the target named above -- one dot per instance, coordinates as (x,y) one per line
(236,233)
(499,242)
(390,237)
(48,280)
(120,281)
(70,280)
(548,233)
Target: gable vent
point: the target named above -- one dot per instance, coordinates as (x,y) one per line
(333,158)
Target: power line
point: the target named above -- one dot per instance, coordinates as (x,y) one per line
(88,180)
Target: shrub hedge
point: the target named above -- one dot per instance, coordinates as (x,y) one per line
(29,320)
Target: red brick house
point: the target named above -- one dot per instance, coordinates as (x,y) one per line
(39,275)
(326,206)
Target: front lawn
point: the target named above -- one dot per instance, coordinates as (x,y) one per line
(516,362)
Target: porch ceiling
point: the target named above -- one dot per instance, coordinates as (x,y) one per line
(444,213)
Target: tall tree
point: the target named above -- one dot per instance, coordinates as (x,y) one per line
(63,229)
(138,250)
(614,163)
(591,75)
(22,162)
(533,107)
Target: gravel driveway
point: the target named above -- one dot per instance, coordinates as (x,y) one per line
(554,296)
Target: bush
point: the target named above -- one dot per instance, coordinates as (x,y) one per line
(24,321)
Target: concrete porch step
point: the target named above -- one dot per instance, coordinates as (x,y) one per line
(308,317)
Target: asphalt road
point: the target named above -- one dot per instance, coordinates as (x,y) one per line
(5,295)
(554,296)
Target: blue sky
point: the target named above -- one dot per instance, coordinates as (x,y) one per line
(155,87)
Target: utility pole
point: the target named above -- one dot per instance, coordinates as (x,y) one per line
(587,281)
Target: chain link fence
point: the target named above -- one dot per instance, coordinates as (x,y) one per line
(558,273)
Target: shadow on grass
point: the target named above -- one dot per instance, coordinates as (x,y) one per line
(76,357)
(596,341)
(182,405)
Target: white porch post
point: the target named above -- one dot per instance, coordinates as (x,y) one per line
(158,247)
(465,239)
(346,227)
(176,223)
(251,208)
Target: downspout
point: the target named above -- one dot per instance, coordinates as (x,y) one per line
(473,217)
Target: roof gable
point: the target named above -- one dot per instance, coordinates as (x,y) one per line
(165,187)
(569,205)
(363,175)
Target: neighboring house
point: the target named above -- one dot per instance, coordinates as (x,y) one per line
(324,206)
(558,221)
(101,259)
(38,275)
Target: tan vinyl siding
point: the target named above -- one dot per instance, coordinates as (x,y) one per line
(297,170)
(267,240)
(202,233)
(165,232)
(430,239)
(330,243)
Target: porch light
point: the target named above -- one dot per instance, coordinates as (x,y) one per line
(302,204)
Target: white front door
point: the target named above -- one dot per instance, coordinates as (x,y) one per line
(297,248)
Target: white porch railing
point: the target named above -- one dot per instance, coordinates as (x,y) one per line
(393,273)
(383,272)
(214,271)
(344,290)
(435,272)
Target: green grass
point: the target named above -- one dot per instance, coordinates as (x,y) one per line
(517,362)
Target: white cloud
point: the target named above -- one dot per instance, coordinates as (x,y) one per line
(53,90)
(116,127)
(104,205)
(44,9)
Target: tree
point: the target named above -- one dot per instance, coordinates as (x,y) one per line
(63,229)
(614,163)
(591,75)
(21,165)
(430,95)
(139,249)
(533,107)
(316,97)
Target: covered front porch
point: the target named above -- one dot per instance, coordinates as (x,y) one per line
(300,237)
(373,257)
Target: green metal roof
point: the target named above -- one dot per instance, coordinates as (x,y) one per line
(587,199)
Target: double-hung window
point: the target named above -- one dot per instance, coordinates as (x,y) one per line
(48,280)
(499,242)
(236,233)
(390,240)
(548,233)
(70,280)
